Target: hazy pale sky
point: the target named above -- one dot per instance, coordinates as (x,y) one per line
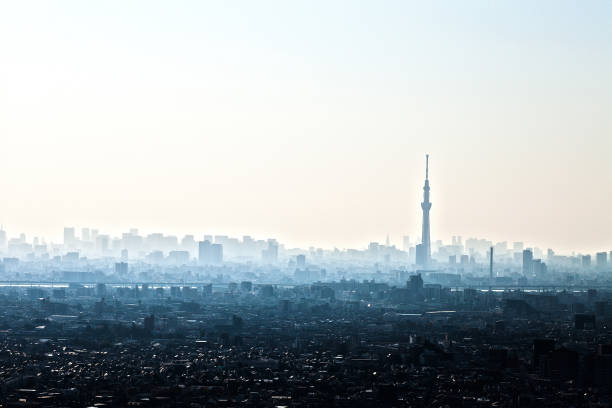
(309,120)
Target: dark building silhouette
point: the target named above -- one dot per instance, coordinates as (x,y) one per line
(541,347)
(527,262)
(584,321)
(415,284)
(149,323)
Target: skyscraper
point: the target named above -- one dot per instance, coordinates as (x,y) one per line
(69,237)
(602,259)
(270,255)
(406,243)
(85,234)
(210,254)
(527,262)
(586,261)
(423,254)
(2,238)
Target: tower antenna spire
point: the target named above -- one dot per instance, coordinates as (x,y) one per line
(426,167)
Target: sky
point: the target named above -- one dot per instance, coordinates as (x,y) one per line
(309,121)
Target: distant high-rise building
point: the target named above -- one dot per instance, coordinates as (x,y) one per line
(501,248)
(301,261)
(452,259)
(424,252)
(210,254)
(527,262)
(415,284)
(270,254)
(465,259)
(178,257)
(406,243)
(2,238)
(121,268)
(518,246)
(602,259)
(102,242)
(538,267)
(188,243)
(85,234)
(69,237)
(458,241)
(586,261)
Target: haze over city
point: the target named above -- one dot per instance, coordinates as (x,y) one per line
(331,204)
(308,122)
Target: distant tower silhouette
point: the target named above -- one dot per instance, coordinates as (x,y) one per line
(491,269)
(424,249)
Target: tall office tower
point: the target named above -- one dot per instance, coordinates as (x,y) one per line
(85,234)
(406,243)
(217,254)
(602,259)
(210,254)
(424,249)
(69,237)
(527,262)
(586,261)
(538,267)
(517,246)
(301,260)
(204,251)
(270,254)
(102,243)
(2,238)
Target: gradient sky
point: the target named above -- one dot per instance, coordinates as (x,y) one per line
(309,120)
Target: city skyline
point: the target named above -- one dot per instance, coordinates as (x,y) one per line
(212,203)
(77,233)
(398,241)
(230,122)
